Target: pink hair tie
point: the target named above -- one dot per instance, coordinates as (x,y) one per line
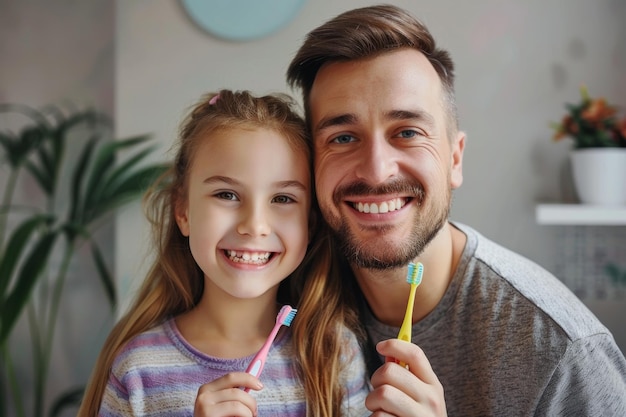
(214,99)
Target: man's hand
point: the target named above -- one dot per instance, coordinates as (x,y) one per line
(225,397)
(401,392)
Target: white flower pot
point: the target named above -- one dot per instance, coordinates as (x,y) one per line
(599,175)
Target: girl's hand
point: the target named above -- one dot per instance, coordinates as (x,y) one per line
(402,392)
(224,397)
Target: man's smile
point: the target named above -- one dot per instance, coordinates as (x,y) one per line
(384,207)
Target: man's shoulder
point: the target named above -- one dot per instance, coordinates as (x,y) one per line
(526,289)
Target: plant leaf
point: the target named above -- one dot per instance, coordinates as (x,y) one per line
(69,398)
(60,136)
(113,178)
(27,111)
(7,141)
(44,168)
(16,243)
(18,148)
(105,160)
(131,187)
(32,268)
(44,179)
(76,200)
(105,276)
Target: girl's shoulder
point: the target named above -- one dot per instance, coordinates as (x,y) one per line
(147,347)
(154,338)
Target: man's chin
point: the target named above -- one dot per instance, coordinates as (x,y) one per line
(379,264)
(379,255)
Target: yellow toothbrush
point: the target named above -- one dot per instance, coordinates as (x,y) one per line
(413,277)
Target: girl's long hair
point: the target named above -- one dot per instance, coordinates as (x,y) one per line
(175,283)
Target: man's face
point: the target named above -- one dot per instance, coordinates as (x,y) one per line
(384,165)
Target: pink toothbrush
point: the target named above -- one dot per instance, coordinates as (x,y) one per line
(284,318)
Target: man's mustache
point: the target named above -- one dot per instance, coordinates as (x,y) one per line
(359,188)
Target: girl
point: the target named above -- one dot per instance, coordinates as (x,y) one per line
(236,237)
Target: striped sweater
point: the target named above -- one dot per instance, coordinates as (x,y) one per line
(158,373)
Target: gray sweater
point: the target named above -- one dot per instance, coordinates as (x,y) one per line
(509,339)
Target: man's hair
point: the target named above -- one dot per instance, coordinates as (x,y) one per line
(364,33)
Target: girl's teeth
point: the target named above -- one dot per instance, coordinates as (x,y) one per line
(258,258)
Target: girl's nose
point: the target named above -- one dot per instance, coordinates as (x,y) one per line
(254,222)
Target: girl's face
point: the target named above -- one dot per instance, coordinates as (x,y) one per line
(246,210)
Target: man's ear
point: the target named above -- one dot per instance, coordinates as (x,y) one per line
(456,170)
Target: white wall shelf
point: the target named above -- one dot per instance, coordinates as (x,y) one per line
(580,214)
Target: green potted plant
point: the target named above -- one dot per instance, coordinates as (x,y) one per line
(598,155)
(82,177)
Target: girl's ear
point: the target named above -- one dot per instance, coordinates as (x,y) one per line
(181,213)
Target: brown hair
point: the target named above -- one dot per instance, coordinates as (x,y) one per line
(367,32)
(174,283)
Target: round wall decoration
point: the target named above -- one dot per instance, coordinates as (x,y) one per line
(241,20)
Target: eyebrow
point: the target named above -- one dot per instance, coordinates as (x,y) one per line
(220,178)
(350,118)
(420,115)
(278,184)
(342,119)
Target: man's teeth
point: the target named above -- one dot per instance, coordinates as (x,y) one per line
(258,258)
(384,207)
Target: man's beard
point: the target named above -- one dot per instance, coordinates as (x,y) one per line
(378,253)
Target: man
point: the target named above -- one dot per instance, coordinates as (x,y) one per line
(495,332)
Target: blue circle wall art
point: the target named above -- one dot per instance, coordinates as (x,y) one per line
(241,20)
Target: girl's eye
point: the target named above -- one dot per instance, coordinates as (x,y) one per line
(283,199)
(343,139)
(227,195)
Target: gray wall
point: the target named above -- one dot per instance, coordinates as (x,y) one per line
(517,62)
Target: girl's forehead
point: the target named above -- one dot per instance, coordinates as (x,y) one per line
(254,135)
(249,148)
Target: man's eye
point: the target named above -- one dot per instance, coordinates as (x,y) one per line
(282,199)
(407,134)
(343,139)
(226,195)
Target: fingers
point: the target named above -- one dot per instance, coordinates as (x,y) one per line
(410,354)
(224,397)
(398,391)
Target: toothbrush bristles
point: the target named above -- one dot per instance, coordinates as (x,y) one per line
(414,274)
(289,318)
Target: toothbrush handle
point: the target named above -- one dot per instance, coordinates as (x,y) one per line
(258,362)
(256,366)
(407,323)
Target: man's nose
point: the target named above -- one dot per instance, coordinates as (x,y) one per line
(377,161)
